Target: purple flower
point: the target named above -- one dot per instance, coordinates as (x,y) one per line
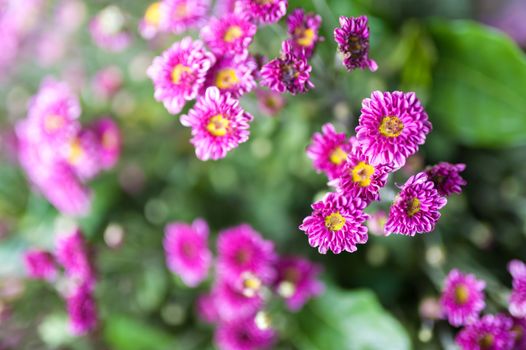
(82,310)
(231,34)
(243,334)
(462,298)
(109,142)
(287,73)
(446,177)
(72,252)
(264,11)
(154,20)
(224,7)
(336,223)
(82,154)
(232,74)
(107,29)
(353,42)
(416,208)
(491,332)
(206,308)
(391,127)
(218,123)
(297,281)
(40,264)
(179,73)
(329,150)
(303,29)
(519,332)
(182,15)
(517,304)
(187,252)
(231,303)
(270,102)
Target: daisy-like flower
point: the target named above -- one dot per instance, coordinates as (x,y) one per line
(40,264)
(416,209)
(82,310)
(270,102)
(336,223)
(303,29)
(446,177)
(218,123)
(179,73)
(462,298)
(109,141)
(297,281)
(517,304)
(71,252)
(392,126)
(231,34)
(243,334)
(264,11)
(182,15)
(491,332)
(231,303)
(232,74)
(82,154)
(329,151)
(353,42)
(153,20)
(187,252)
(289,72)
(108,29)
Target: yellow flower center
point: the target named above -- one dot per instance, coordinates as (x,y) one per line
(461,294)
(251,284)
(362,174)
(218,125)
(226,78)
(338,156)
(391,126)
(233,33)
(178,72)
(76,152)
(413,206)
(53,122)
(152,15)
(335,221)
(305,37)
(486,341)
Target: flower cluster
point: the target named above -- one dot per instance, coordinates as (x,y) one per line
(462,301)
(71,252)
(248,274)
(391,128)
(58,154)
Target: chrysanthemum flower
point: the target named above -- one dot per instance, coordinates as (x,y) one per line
(82,153)
(336,223)
(82,310)
(289,72)
(72,252)
(519,332)
(108,29)
(182,15)
(153,20)
(224,7)
(297,281)
(517,304)
(329,151)
(232,74)
(40,264)
(109,140)
(264,11)
(179,73)
(353,42)
(303,29)
(243,334)
(446,177)
(392,126)
(218,123)
(462,298)
(231,303)
(231,34)
(206,308)
(270,102)
(187,252)
(416,208)
(491,332)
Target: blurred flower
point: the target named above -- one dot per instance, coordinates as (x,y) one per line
(446,177)
(517,302)
(519,332)
(109,142)
(376,223)
(108,31)
(224,7)
(336,223)
(107,82)
(153,20)
(416,209)
(430,309)
(72,252)
(264,11)
(82,154)
(462,298)
(510,19)
(40,264)
(233,74)
(231,303)
(182,15)
(51,47)
(187,252)
(82,310)
(491,332)
(218,123)
(391,127)
(206,308)
(353,42)
(71,14)
(242,334)
(303,29)
(231,34)
(179,73)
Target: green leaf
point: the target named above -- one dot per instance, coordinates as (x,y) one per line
(479,85)
(348,321)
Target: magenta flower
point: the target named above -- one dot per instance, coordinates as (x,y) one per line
(231,34)
(353,42)
(187,252)
(329,150)
(270,102)
(82,310)
(40,264)
(416,208)
(179,73)
(72,252)
(232,74)
(231,303)
(224,7)
(206,308)
(297,281)
(517,304)
(108,29)
(446,177)
(109,142)
(182,15)
(243,334)
(264,11)
(154,20)
(107,82)
(218,123)
(519,332)
(82,154)
(287,73)
(462,298)
(303,29)
(491,332)
(391,127)
(336,223)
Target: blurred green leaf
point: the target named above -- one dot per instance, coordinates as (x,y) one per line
(479,84)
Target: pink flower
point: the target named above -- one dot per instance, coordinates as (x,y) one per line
(353,42)
(491,332)
(231,34)
(336,223)
(303,29)
(154,20)
(232,74)
(207,309)
(182,15)
(40,264)
(376,223)
(270,102)
(109,142)
(446,178)
(82,310)
(187,252)
(224,7)
(264,11)
(231,303)
(81,153)
(179,73)
(107,82)
(243,334)
(108,29)
(218,123)
(517,301)
(72,252)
